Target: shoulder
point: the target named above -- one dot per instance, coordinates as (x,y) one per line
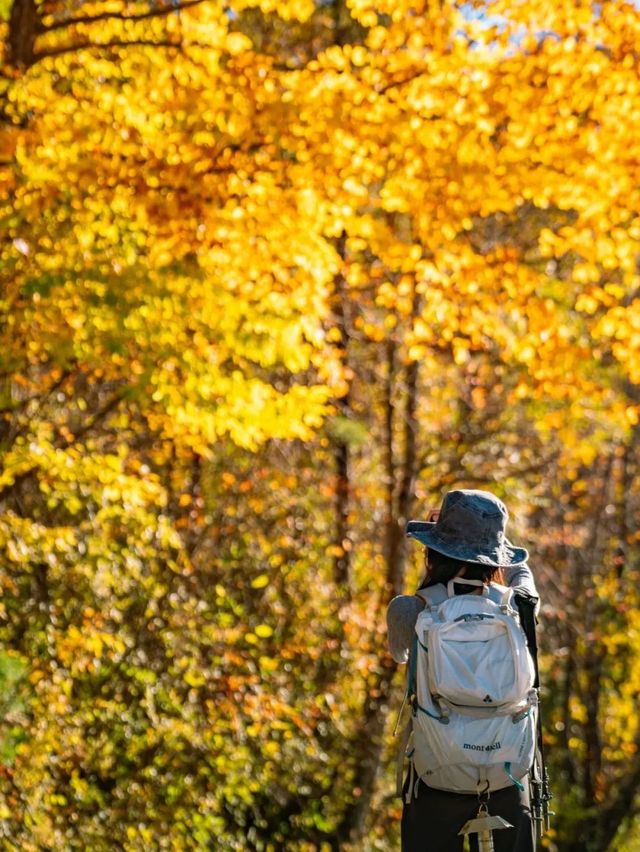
(402,613)
(404,608)
(405,603)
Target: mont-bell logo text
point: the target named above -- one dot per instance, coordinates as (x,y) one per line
(476,747)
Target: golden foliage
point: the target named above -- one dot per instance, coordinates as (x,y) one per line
(221,224)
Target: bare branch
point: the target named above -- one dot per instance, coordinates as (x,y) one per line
(114,16)
(72,48)
(95,418)
(100,414)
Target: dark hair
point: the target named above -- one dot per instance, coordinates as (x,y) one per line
(441,569)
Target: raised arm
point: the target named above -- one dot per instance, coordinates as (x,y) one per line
(521,578)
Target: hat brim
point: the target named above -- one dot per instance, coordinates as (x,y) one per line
(507,556)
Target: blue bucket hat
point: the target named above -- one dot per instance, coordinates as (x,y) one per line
(471,527)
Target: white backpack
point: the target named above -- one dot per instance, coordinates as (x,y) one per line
(473,725)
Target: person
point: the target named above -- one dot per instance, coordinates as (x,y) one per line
(464,539)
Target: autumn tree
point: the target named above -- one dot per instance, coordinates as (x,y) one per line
(274,276)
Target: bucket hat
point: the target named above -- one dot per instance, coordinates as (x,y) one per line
(471,527)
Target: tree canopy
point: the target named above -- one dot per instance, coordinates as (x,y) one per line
(275,275)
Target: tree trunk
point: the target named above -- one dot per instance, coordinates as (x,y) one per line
(24,23)
(400,484)
(342,559)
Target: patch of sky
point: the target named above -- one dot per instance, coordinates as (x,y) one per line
(480,16)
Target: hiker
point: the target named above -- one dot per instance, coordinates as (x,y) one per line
(467,553)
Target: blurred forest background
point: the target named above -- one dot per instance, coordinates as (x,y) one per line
(275,275)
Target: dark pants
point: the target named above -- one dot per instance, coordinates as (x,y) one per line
(431,822)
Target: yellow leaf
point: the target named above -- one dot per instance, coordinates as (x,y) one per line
(237,43)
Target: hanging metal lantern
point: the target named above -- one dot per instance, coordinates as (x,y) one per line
(484,825)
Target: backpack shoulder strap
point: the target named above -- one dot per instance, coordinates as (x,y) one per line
(433,596)
(502,595)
